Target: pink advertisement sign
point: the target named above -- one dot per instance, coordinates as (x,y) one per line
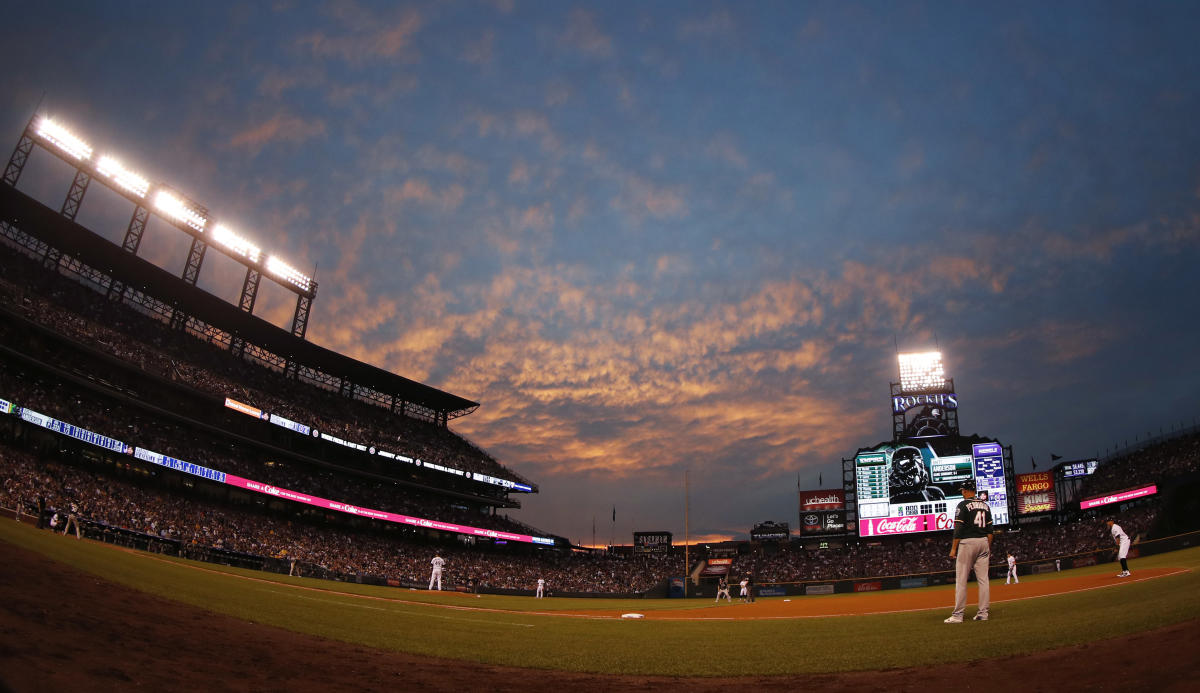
(887,526)
(1119,497)
(258,486)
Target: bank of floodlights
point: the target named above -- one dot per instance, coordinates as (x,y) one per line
(286,272)
(921,371)
(171,205)
(122,177)
(235,243)
(61,138)
(175,208)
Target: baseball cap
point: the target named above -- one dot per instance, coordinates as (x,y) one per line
(968,484)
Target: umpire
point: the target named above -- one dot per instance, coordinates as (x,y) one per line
(972,547)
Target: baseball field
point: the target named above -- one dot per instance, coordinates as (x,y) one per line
(85,615)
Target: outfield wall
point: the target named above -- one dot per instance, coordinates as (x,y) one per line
(138,540)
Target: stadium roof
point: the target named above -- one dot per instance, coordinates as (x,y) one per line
(37,220)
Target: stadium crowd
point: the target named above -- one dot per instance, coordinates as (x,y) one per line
(96,413)
(1169,458)
(315,540)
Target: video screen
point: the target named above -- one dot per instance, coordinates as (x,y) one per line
(904,488)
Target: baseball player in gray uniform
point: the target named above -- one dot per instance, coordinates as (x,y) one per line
(723,590)
(1122,540)
(1012,570)
(971,549)
(436,575)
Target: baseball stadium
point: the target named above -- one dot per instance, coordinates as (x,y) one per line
(197,499)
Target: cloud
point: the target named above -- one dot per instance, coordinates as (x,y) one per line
(717,24)
(280,128)
(1097,245)
(364,37)
(639,199)
(518,174)
(421,191)
(480,52)
(583,35)
(723,148)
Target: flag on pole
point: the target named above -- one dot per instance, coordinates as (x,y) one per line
(1055,458)
(1031,461)
(820,480)
(614,513)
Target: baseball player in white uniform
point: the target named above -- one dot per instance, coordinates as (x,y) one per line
(1122,540)
(541,591)
(72,519)
(1012,570)
(745,584)
(436,575)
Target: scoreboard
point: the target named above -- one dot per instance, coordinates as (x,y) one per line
(874,499)
(904,489)
(988,459)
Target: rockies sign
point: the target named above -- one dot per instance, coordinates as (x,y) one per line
(945,400)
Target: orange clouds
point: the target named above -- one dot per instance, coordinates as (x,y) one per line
(420,191)
(365,36)
(281,128)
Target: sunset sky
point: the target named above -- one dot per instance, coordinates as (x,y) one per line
(666,237)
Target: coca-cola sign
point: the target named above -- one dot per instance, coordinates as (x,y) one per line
(1119,497)
(886,526)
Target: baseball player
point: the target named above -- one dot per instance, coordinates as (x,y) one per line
(541,590)
(1122,540)
(971,548)
(436,575)
(745,584)
(1012,570)
(723,590)
(73,519)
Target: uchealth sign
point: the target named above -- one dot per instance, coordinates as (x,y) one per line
(822,499)
(886,526)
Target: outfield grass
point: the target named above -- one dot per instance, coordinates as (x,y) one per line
(514,634)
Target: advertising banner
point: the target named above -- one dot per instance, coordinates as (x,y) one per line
(872,586)
(1037,502)
(822,522)
(818,589)
(906,583)
(1035,493)
(1119,497)
(1035,482)
(654,541)
(822,499)
(885,526)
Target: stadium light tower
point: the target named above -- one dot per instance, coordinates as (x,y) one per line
(925,391)
(921,371)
